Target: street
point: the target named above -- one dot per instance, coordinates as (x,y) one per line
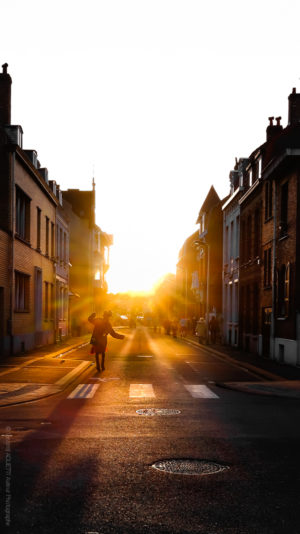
(81,461)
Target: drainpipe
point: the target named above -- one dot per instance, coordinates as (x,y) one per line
(12,251)
(272,336)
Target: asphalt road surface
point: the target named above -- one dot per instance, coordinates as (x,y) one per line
(82,461)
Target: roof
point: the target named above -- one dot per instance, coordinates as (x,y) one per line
(212,199)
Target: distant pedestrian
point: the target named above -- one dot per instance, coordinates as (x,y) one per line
(167,327)
(183,327)
(102,327)
(174,327)
(213,328)
(201,331)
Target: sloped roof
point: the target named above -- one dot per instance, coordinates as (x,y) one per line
(211,200)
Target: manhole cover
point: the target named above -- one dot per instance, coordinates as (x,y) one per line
(158,411)
(189,467)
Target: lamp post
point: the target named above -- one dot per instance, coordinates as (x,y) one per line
(199,244)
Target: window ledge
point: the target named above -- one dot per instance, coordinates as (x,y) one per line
(282,237)
(17,236)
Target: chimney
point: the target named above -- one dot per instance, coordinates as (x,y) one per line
(5,96)
(294,107)
(274,129)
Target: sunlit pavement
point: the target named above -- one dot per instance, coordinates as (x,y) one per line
(40,374)
(43,372)
(81,461)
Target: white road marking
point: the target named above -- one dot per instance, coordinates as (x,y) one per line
(193,367)
(141,390)
(200,391)
(84,391)
(62,381)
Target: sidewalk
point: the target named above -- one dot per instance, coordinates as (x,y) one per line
(274,378)
(41,372)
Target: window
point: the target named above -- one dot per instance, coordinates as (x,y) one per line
(283,290)
(267,267)
(21,292)
(22,215)
(231,240)
(38,228)
(226,255)
(61,245)
(237,237)
(243,241)
(47,236)
(259,168)
(283,209)
(52,240)
(57,244)
(255,309)
(249,237)
(250,178)
(257,233)
(268,200)
(65,247)
(51,301)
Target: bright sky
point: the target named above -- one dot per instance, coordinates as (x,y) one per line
(158,97)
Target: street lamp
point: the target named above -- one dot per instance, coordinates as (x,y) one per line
(199,243)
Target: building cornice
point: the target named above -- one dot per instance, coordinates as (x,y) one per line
(270,168)
(250,191)
(232,197)
(34,174)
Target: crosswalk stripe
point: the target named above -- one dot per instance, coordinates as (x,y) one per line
(200,391)
(141,390)
(84,391)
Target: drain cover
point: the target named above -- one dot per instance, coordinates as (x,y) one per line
(157,411)
(189,467)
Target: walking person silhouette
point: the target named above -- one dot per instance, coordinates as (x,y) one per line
(102,327)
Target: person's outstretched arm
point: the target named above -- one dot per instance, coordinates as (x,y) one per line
(115,334)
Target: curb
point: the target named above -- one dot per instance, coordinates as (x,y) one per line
(62,383)
(261,373)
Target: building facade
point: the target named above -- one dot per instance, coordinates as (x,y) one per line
(231,254)
(28,208)
(89,256)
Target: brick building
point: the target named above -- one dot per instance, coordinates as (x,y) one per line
(270,243)
(89,257)
(27,222)
(187,280)
(281,240)
(210,252)
(31,214)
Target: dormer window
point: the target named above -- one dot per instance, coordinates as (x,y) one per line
(259,168)
(250,174)
(202,223)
